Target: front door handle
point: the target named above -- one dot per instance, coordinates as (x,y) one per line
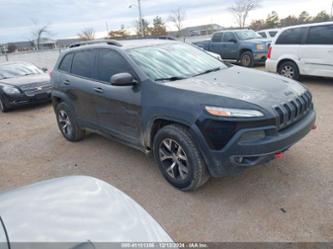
(67,82)
(99,90)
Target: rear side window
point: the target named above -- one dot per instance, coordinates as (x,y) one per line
(320,35)
(272,33)
(83,63)
(66,63)
(217,37)
(263,34)
(292,36)
(228,36)
(109,63)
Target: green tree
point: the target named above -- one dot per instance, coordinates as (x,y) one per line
(288,21)
(304,17)
(321,17)
(272,20)
(146,28)
(158,26)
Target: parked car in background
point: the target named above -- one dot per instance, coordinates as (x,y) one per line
(244,46)
(76,210)
(198,116)
(22,83)
(268,33)
(302,50)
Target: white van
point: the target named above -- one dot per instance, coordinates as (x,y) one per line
(302,50)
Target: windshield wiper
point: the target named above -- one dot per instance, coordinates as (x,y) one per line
(173,78)
(209,71)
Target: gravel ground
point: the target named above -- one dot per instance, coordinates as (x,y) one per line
(286,200)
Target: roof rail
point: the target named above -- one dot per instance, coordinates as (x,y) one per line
(84,43)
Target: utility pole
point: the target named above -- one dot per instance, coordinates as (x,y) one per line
(140,18)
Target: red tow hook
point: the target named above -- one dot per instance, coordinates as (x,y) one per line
(279,155)
(314,127)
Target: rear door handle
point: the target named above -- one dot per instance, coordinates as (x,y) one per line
(67,82)
(99,90)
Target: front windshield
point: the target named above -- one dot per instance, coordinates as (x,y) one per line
(247,35)
(18,69)
(174,61)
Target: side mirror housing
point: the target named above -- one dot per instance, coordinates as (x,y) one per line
(123,79)
(233,40)
(44,69)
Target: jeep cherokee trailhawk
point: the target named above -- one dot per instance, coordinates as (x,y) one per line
(197,115)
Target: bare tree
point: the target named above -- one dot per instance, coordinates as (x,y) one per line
(38,32)
(87,34)
(177,17)
(241,10)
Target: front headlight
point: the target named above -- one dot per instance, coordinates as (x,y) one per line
(261,47)
(233,113)
(11,90)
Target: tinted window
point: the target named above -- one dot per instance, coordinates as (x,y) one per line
(263,34)
(83,63)
(110,63)
(217,37)
(272,33)
(228,36)
(291,36)
(320,35)
(66,63)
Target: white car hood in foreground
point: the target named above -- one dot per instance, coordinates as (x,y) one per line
(76,209)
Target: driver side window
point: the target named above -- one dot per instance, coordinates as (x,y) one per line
(228,37)
(109,63)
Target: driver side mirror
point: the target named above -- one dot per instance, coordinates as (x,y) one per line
(123,79)
(233,40)
(44,69)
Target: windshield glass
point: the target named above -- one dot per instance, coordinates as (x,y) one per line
(174,61)
(247,35)
(17,70)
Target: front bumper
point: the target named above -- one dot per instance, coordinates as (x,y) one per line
(12,101)
(238,155)
(260,57)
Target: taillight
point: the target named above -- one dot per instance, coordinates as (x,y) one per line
(269,54)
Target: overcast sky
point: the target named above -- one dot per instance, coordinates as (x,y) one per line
(68,17)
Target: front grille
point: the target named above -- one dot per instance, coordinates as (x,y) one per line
(292,111)
(36,88)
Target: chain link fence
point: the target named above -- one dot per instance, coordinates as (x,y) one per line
(42,58)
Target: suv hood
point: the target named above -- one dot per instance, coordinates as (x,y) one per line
(23,80)
(249,85)
(76,209)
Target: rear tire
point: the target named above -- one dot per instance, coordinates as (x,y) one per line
(3,107)
(289,69)
(247,59)
(68,124)
(179,159)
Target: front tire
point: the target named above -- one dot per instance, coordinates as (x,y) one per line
(289,69)
(247,59)
(179,159)
(68,124)
(3,107)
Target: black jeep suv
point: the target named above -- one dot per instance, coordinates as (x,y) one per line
(198,116)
